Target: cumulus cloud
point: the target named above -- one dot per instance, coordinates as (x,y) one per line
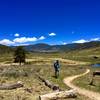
(63,43)
(80,41)
(95,39)
(25,39)
(6,42)
(16,35)
(52,34)
(21,40)
(42,38)
(83,40)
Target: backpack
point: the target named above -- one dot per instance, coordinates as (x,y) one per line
(56,66)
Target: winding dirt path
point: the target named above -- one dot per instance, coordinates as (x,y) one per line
(92,95)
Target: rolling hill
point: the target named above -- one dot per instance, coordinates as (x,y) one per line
(42,47)
(61,48)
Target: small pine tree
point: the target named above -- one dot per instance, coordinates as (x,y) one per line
(19,56)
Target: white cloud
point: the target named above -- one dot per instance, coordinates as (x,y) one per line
(6,42)
(52,34)
(64,43)
(80,41)
(95,39)
(83,40)
(25,39)
(16,35)
(42,38)
(21,40)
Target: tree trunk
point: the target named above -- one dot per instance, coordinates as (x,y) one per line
(11,86)
(49,84)
(59,95)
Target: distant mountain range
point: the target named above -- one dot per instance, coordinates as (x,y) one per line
(61,48)
(41,47)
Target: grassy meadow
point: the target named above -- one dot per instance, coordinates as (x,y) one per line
(42,63)
(84,81)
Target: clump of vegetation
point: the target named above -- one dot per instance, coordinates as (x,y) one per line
(13,72)
(19,55)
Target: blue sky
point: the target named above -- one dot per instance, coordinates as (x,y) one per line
(25,22)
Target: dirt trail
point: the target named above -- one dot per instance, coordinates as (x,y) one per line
(69,62)
(92,95)
(37,59)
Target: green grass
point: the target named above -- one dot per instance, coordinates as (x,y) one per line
(26,74)
(42,65)
(86,55)
(84,81)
